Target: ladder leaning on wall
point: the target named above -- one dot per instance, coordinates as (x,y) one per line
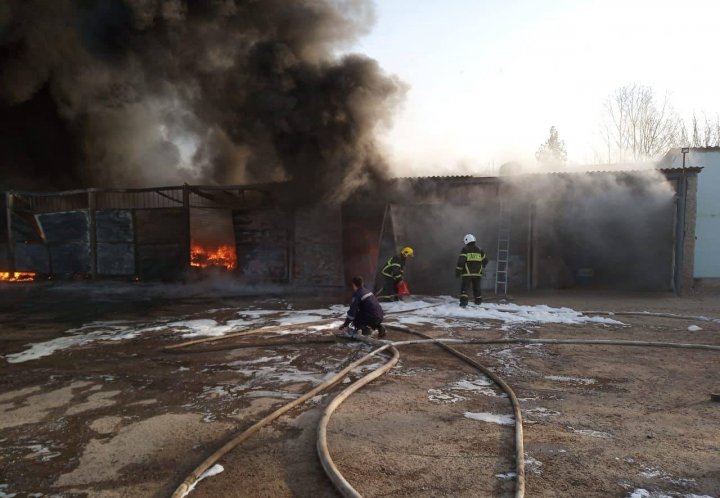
(503,249)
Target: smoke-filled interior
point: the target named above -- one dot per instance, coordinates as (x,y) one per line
(605,230)
(601,230)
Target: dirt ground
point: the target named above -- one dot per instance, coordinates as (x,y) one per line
(125,419)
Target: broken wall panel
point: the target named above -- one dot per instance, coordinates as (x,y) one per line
(30,252)
(66,227)
(318,256)
(26,228)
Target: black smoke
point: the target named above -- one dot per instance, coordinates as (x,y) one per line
(145,92)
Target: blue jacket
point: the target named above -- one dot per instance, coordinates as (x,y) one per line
(365,308)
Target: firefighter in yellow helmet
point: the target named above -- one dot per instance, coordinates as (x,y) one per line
(470,266)
(392,273)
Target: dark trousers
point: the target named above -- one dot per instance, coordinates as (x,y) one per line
(360,325)
(465,284)
(365,327)
(387,291)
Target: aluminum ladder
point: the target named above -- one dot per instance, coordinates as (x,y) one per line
(503,250)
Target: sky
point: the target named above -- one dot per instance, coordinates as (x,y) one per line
(488,78)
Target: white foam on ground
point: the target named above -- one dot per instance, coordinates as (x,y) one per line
(3,494)
(592,433)
(507,476)
(271,394)
(694,328)
(511,314)
(480,385)
(644,493)
(41,452)
(201,327)
(540,412)
(438,396)
(492,418)
(533,465)
(442,312)
(574,380)
(92,332)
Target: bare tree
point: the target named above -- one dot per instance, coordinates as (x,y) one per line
(705,134)
(637,127)
(552,152)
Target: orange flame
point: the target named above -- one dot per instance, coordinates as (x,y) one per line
(223,256)
(18,276)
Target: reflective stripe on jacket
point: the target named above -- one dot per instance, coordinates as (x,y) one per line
(365,308)
(472,261)
(394,268)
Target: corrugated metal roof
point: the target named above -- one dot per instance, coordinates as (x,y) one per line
(677,150)
(693,169)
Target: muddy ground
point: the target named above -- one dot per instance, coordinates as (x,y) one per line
(126,419)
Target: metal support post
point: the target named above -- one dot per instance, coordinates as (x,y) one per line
(9,203)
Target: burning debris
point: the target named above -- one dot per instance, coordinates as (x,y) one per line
(17,276)
(218,257)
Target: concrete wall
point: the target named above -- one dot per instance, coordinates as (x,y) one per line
(707,255)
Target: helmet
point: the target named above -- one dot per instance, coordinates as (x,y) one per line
(469,238)
(407,252)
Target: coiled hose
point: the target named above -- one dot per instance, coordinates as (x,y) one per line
(186,485)
(328,465)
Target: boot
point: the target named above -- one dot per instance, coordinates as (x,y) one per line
(366,330)
(478,300)
(381,331)
(463,301)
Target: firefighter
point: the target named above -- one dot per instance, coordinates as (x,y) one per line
(470,266)
(393,273)
(365,312)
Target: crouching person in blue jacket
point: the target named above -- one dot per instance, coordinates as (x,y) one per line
(365,312)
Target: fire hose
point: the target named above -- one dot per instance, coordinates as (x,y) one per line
(328,465)
(187,484)
(349,492)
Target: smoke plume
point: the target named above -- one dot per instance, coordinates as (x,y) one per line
(148,92)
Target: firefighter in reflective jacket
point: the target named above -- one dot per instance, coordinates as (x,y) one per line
(470,266)
(392,274)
